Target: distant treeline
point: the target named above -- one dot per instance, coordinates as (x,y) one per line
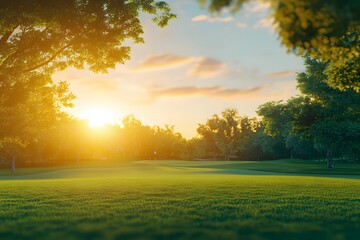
(226,136)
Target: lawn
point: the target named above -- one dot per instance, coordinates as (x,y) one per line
(182,200)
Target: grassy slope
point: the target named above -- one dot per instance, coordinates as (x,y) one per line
(163,199)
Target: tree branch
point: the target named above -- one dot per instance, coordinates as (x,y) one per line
(6,36)
(7,58)
(42,64)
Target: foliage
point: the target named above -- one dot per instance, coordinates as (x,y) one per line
(335,115)
(28,109)
(72,141)
(53,35)
(328,117)
(222,131)
(326,29)
(309,26)
(236,137)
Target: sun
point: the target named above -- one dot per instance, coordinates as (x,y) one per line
(98,117)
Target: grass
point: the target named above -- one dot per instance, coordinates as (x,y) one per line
(182,200)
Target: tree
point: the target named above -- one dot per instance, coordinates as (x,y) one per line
(229,131)
(222,132)
(66,141)
(269,147)
(277,123)
(247,148)
(232,135)
(140,141)
(53,35)
(168,144)
(254,144)
(209,133)
(334,118)
(328,117)
(38,38)
(325,29)
(137,140)
(196,148)
(25,118)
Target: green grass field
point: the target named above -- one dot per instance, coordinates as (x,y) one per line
(183,200)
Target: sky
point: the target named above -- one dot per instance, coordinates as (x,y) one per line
(197,66)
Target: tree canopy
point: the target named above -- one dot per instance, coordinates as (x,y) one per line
(325,29)
(328,117)
(230,135)
(54,35)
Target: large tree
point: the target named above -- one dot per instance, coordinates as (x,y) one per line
(326,29)
(28,110)
(328,117)
(38,38)
(333,116)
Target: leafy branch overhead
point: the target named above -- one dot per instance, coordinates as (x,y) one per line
(328,30)
(54,35)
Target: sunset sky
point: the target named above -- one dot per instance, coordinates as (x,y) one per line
(195,67)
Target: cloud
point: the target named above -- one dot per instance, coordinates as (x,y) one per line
(259,6)
(162,61)
(216,92)
(281,74)
(241,25)
(200,18)
(201,67)
(207,67)
(224,20)
(264,23)
(282,90)
(83,78)
(205,18)
(104,85)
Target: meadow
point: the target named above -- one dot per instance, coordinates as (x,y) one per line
(182,200)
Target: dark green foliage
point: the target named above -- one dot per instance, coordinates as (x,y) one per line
(328,117)
(229,136)
(326,29)
(335,115)
(312,26)
(222,132)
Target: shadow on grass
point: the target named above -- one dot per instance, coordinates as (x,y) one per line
(286,168)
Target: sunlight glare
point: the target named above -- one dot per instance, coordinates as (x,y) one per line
(99,117)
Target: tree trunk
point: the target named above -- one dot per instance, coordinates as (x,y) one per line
(329,154)
(227,152)
(291,154)
(214,151)
(13,165)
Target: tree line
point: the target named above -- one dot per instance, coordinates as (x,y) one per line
(71,141)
